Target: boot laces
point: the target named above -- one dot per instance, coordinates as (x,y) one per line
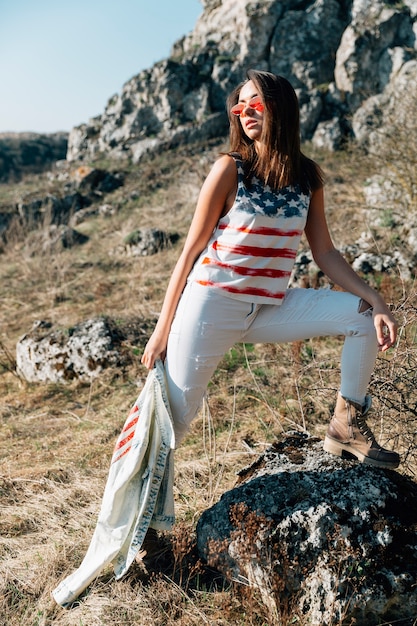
(364,428)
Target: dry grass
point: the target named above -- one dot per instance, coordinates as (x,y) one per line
(56,441)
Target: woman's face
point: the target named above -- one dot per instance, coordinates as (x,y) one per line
(251,115)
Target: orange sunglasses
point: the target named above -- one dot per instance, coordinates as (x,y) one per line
(254,103)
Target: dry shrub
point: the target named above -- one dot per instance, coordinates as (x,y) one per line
(394,387)
(393,151)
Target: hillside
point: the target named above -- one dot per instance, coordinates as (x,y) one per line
(66,231)
(56,439)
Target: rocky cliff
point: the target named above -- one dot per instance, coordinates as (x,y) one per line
(347,60)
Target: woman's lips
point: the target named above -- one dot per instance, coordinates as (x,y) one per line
(251,123)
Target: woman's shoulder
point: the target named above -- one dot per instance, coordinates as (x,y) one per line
(222,176)
(226,164)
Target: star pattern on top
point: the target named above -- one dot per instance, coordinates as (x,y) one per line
(287,202)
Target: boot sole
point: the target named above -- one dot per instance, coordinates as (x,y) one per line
(347,452)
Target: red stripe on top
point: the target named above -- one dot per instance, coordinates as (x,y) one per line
(247,271)
(285,253)
(250,291)
(261,230)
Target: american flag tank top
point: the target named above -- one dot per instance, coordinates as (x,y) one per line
(253,248)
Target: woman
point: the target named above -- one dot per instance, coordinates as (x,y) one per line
(230,282)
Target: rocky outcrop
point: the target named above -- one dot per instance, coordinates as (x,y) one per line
(338,54)
(81,188)
(50,209)
(51,355)
(365,255)
(53,239)
(23,153)
(146,242)
(328,540)
(82,352)
(94,181)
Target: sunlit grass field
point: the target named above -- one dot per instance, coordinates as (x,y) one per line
(56,440)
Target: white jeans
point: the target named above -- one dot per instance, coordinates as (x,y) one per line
(208,323)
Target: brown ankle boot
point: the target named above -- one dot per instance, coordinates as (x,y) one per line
(348,435)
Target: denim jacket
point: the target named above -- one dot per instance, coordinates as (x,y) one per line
(138,492)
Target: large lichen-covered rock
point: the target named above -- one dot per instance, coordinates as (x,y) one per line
(53,355)
(329,540)
(82,352)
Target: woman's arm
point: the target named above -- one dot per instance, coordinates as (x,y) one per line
(332,263)
(216,197)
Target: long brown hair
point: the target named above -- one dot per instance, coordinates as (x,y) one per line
(280,162)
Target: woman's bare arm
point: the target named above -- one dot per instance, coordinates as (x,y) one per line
(216,197)
(332,263)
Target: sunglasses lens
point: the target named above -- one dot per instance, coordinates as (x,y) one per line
(255,103)
(237,109)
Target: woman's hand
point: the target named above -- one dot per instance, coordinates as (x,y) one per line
(155,349)
(385,325)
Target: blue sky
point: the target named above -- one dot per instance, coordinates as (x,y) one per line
(61,60)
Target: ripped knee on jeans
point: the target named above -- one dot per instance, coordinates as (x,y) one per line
(364,307)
